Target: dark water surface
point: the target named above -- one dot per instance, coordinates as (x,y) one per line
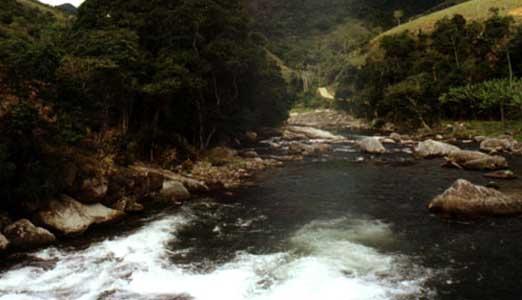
(326,228)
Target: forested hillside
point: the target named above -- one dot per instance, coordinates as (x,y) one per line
(129,79)
(319,38)
(459,68)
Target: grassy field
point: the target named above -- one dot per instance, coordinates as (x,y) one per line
(471,10)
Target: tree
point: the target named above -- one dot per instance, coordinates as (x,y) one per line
(397,15)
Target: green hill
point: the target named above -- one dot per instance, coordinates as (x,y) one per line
(471,10)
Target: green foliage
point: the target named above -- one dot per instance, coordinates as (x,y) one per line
(127,75)
(487,98)
(405,83)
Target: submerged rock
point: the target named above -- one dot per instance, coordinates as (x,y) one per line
(371,145)
(4,243)
(465,198)
(431,148)
(23,234)
(475,160)
(174,190)
(69,217)
(505,174)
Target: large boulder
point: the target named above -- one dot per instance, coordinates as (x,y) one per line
(174,190)
(371,145)
(4,243)
(465,198)
(70,217)
(475,160)
(431,148)
(23,234)
(493,145)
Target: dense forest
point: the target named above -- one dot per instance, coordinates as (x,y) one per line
(126,78)
(461,70)
(318,39)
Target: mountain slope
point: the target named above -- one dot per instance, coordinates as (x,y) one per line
(471,10)
(320,37)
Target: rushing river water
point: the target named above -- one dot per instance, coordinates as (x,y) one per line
(327,228)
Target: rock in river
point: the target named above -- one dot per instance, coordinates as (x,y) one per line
(70,217)
(498,145)
(431,148)
(23,234)
(174,190)
(371,145)
(504,174)
(475,160)
(293,132)
(465,198)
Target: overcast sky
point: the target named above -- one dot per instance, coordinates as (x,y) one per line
(58,2)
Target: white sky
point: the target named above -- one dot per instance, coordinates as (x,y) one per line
(58,2)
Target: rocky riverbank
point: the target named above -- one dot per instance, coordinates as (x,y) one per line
(100,192)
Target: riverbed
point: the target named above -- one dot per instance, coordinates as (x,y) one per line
(328,228)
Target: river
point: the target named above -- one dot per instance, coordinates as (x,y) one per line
(324,228)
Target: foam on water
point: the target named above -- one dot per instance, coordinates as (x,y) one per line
(328,260)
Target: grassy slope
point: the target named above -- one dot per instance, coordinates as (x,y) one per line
(472,10)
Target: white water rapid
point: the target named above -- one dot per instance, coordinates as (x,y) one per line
(326,260)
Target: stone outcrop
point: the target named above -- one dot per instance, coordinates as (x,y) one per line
(465,198)
(431,148)
(371,145)
(70,217)
(475,160)
(24,235)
